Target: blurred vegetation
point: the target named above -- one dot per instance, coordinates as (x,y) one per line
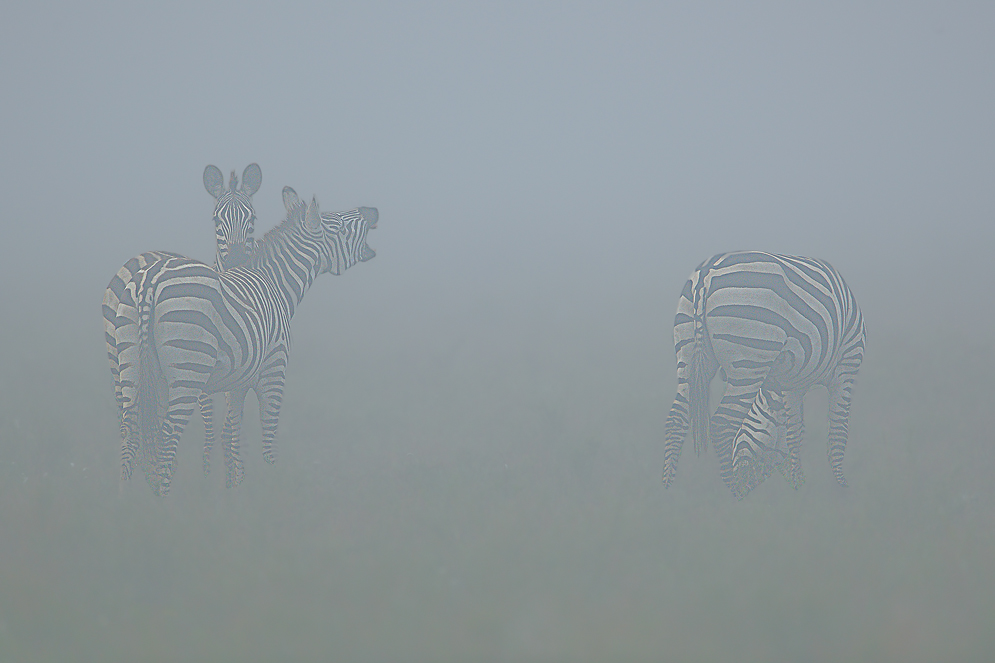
(492,493)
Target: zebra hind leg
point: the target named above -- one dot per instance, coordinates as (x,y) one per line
(178,414)
(129,442)
(207,414)
(677,429)
(793,439)
(839,416)
(270,395)
(229,436)
(695,370)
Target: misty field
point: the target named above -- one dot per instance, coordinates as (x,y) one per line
(489,490)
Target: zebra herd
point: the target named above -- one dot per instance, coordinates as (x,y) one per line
(179,330)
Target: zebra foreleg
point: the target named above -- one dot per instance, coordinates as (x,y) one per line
(229,437)
(207,413)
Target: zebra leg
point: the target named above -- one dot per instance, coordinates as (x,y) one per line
(178,414)
(207,413)
(677,429)
(839,415)
(269,391)
(129,443)
(696,366)
(229,437)
(725,424)
(110,338)
(793,439)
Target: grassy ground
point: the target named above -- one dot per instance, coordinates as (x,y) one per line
(491,493)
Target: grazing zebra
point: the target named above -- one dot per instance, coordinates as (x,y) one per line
(774,324)
(204,331)
(234,221)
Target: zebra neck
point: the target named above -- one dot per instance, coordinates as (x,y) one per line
(291,266)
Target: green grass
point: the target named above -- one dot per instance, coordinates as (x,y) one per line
(493,494)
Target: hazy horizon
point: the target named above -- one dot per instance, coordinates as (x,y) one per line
(472,435)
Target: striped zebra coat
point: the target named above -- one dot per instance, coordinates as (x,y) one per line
(759,446)
(234,222)
(781,324)
(204,331)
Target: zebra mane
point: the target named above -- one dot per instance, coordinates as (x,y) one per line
(233,182)
(279,234)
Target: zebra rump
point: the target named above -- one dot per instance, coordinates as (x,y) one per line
(234,220)
(776,325)
(205,332)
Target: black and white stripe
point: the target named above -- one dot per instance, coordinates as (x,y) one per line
(234,222)
(234,217)
(779,323)
(204,331)
(759,446)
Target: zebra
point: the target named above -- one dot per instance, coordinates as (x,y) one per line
(775,325)
(234,222)
(235,403)
(204,331)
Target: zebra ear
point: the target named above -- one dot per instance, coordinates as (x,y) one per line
(252,178)
(214,181)
(290,199)
(313,217)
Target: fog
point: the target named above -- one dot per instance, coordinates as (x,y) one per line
(472,432)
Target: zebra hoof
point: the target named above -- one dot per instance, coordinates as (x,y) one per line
(668,475)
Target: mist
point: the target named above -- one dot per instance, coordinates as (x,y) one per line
(472,430)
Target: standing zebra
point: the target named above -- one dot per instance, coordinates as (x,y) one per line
(234,222)
(204,331)
(772,323)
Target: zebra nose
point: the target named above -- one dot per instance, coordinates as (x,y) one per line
(235,257)
(370,215)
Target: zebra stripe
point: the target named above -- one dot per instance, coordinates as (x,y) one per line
(234,221)
(779,323)
(204,331)
(234,217)
(757,448)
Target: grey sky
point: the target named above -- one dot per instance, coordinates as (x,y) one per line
(556,146)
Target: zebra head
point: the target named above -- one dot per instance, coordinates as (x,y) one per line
(234,217)
(343,233)
(756,451)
